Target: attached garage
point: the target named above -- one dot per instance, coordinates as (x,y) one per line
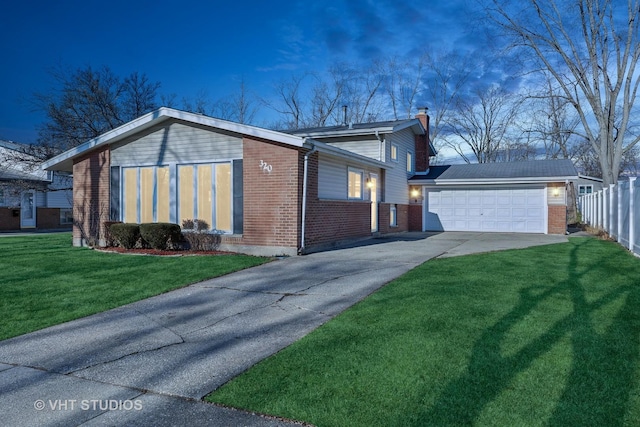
(500,209)
(516,197)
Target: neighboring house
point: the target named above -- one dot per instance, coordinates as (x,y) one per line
(31,198)
(269,192)
(527,197)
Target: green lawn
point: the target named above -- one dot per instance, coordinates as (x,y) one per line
(45,281)
(541,336)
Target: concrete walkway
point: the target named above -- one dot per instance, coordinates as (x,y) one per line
(150,362)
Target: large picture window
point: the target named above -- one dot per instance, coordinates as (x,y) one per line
(355,183)
(209,197)
(202,191)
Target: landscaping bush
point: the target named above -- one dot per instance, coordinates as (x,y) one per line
(108,236)
(160,235)
(198,236)
(125,235)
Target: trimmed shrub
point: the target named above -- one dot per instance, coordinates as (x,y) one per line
(108,237)
(198,236)
(125,235)
(195,224)
(160,235)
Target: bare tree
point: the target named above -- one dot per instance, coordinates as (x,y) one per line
(403,84)
(479,130)
(591,48)
(446,75)
(88,102)
(551,122)
(289,102)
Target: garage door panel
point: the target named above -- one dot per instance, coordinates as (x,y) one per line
(506,209)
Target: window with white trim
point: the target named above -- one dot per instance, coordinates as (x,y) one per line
(66,216)
(409,162)
(394,152)
(355,183)
(585,189)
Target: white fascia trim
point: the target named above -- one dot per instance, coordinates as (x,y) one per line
(459,182)
(413,123)
(345,154)
(165,113)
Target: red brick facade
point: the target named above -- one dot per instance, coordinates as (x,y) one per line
(328,221)
(557,219)
(272,186)
(49,218)
(9,219)
(90,197)
(415,217)
(422,143)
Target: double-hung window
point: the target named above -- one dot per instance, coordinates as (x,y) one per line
(409,162)
(355,183)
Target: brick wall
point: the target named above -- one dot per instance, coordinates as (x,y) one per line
(557,219)
(91,197)
(415,217)
(7,220)
(330,221)
(49,218)
(271,193)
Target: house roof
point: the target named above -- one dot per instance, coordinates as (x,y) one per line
(13,166)
(492,173)
(359,129)
(64,161)
(590,178)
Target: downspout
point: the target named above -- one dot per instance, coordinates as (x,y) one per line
(304,196)
(381,146)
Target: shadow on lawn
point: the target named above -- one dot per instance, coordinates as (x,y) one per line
(598,387)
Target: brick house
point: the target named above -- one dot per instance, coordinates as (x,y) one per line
(269,192)
(29,197)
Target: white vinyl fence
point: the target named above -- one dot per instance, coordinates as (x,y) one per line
(616,210)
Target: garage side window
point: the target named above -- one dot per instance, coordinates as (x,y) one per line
(585,189)
(355,183)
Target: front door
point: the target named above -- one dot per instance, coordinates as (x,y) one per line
(373,186)
(28,209)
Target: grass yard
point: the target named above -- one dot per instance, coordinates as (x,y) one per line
(542,336)
(45,281)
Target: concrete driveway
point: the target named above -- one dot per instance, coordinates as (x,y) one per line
(150,362)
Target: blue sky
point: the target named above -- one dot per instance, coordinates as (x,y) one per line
(192,47)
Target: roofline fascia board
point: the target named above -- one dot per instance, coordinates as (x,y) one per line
(349,132)
(165,113)
(507,181)
(410,123)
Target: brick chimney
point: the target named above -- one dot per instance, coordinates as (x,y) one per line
(422,142)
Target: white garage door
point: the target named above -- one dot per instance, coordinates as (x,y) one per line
(501,209)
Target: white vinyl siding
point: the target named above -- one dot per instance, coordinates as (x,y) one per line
(175,142)
(395,179)
(333,178)
(371,148)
